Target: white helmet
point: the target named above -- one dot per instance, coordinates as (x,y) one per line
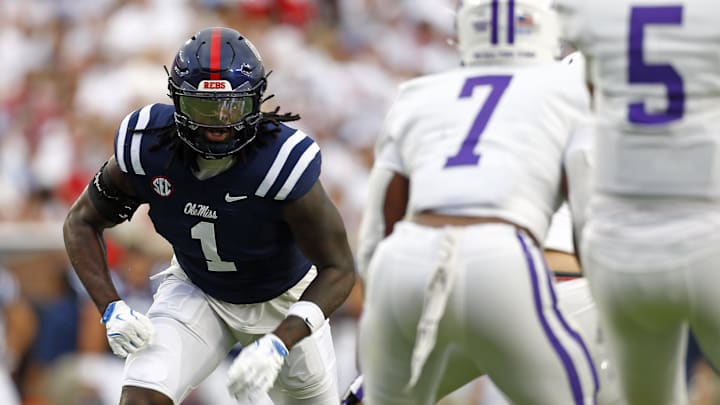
(507,31)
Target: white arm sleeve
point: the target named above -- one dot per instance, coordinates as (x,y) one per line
(372,226)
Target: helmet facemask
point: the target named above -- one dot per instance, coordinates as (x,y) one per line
(214,121)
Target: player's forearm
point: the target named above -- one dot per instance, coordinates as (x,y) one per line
(328,291)
(86,249)
(330,288)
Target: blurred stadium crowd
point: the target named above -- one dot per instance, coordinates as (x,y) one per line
(74,68)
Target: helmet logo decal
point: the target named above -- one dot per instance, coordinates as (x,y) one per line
(215,43)
(525,24)
(214,85)
(246,68)
(162,186)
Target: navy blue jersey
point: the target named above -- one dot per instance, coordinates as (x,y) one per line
(227,231)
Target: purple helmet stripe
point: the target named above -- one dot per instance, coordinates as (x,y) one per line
(570,370)
(511,22)
(494,23)
(576,336)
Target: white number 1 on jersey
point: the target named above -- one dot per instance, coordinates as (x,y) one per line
(205,232)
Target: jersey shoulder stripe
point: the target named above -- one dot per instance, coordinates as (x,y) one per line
(298,170)
(277,165)
(128,140)
(295,164)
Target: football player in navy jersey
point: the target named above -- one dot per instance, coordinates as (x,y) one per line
(260,252)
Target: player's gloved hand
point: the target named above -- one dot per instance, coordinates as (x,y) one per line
(127,330)
(254,370)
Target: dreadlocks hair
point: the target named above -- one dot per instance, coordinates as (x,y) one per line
(269,127)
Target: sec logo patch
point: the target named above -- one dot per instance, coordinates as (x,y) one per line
(162,186)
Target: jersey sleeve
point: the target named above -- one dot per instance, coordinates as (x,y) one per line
(388,157)
(387,149)
(129,138)
(294,170)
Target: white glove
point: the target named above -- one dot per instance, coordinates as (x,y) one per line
(127,330)
(255,369)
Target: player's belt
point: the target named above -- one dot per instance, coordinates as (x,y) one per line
(436,220)
(561,276)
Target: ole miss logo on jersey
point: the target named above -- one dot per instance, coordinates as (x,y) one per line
(214,85)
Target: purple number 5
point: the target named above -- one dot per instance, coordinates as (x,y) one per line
(466,155)
(641,72)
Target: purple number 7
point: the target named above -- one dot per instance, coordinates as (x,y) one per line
(641,72)
(466,155)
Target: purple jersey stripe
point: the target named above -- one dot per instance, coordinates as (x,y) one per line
(570,370)
(494,23)
(576,336)
(511,22)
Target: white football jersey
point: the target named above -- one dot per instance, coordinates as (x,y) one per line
(655,67)
(486,141)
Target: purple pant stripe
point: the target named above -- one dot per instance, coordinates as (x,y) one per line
(576,336)
(570,370)
(494,23)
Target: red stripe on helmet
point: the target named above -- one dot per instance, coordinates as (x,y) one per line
(215,41)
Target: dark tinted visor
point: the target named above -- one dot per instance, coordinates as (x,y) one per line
(216,111)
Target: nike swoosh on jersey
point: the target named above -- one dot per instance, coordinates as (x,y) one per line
(233,198)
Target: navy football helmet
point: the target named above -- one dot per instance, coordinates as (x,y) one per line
(216,82)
